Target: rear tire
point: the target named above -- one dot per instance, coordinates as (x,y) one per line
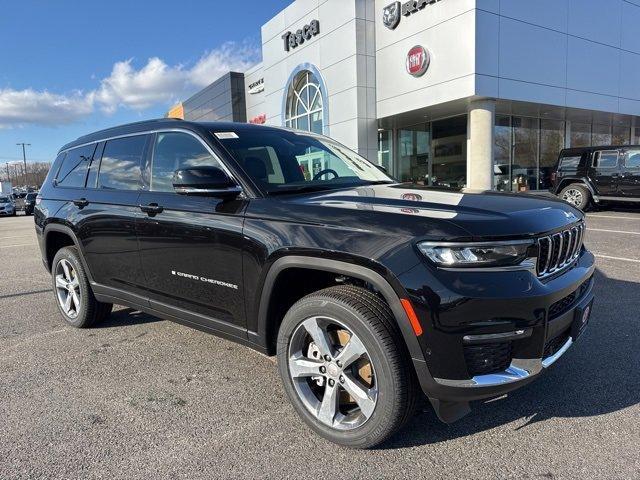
(73,293)
(576,195)
(344,366)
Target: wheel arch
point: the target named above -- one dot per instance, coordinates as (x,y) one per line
(53,233)
(391,295)
(577,180)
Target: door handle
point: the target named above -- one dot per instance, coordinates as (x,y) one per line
(81,202)
(151,209)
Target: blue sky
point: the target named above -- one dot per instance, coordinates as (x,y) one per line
(70,67)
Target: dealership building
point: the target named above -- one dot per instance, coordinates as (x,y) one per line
(475,93)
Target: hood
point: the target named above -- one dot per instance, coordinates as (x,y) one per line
(481,214)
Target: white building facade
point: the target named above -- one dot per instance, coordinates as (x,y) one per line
(457,93)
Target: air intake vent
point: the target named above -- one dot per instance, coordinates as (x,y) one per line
(558,251)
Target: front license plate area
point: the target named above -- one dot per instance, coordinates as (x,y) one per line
(581,320)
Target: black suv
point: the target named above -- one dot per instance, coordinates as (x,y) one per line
(596,174)
(285,241)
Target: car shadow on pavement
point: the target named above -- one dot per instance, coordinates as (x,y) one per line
(125,317)
(600,374)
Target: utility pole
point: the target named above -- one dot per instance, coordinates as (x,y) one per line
(8,172)
(24,158)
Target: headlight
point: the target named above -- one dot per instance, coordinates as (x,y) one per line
(456,255)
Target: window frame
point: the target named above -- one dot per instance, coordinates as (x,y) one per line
(145,150)
(598,153)
(148,176)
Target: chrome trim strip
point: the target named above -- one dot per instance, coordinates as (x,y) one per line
(547,362)
(490,337)
(520,369)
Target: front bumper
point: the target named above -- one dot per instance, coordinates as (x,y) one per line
(533,321)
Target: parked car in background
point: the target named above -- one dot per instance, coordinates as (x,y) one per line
(6,206)
(588,175)
(27,204)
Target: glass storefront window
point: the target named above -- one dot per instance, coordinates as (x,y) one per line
(601,135)
(551,142)
(414,154)
(580,135)
(385,148)
(524,171)
(502,154)
(621,136)
(449,142)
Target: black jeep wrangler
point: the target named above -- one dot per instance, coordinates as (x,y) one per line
(597,174)
(366,289)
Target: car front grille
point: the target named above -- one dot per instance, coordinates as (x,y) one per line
(558,251)
(487,358)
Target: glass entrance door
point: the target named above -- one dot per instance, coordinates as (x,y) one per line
(414,154)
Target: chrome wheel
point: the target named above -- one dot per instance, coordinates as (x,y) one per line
(332,373)
(573,196)
(68,288)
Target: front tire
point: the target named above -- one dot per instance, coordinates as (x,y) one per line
(73,293)
(576,195)
(344,366)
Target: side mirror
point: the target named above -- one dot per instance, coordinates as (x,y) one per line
(205,181)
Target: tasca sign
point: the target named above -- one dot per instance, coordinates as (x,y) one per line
(295,39)
(393,13)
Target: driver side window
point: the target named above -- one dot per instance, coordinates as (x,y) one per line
(174,151)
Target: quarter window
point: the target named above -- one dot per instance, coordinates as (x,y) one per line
(606,159)
(120,165)
(569,163)
(175,151)
(73,171)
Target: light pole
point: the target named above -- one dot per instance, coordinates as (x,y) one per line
(24,158)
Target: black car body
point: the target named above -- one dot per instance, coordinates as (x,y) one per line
(233,261)
(605,173)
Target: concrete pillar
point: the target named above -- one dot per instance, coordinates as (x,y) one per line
(480,128)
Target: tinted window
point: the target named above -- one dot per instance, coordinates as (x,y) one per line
(606,159)
(73,171)
(569,163)
(633,159)
(120,165)
(174,151)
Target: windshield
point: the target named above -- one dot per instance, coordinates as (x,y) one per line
(282,161)
(4,199)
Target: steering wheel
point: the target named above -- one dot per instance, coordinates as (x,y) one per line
(324,172)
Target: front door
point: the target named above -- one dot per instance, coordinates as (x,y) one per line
(605,167)
(191,246)
(630,176)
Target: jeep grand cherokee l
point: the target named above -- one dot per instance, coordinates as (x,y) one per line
(366,289)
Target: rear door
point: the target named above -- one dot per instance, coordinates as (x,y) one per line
(107,212)
(605,172)
(191,246)
(630,175)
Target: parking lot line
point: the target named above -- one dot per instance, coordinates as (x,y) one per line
(608,257)
(17,245)
(612,216)
(15,236)
(611,231)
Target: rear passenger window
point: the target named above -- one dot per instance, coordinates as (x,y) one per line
(606,159)
(632,159)
(569,163)
(120,165)
(73,171)
(174,151)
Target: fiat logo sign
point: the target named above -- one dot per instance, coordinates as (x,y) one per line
(418,60)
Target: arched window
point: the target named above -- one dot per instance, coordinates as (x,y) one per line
(304,106)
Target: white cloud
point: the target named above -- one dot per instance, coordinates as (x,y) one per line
(155,83)
(19,107)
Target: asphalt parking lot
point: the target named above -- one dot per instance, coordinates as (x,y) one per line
(144,398)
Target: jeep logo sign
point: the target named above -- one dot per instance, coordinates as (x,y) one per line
(418,60)
(293,40)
